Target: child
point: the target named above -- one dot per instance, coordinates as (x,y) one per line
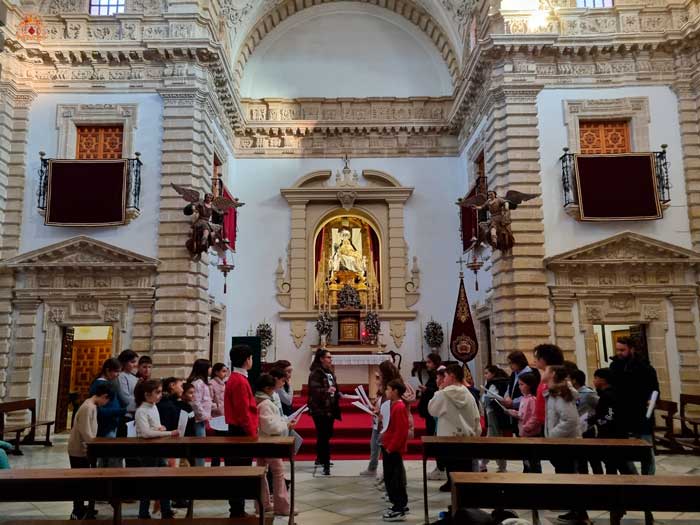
(585,404)
(427,391)
(173,402)
(562,415)
(217,386)
(394,445)
(202,403)
(528,424)
(147,394)
(286,393)
(125,384)
(605,420)
(145,368)
(496,419)
(85,429)
(272,423)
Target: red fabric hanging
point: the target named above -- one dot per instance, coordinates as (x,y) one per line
(463,341)
(230,221)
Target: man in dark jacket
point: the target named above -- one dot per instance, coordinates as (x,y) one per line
(634,380)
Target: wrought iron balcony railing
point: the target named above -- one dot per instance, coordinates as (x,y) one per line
(133,191)
(568,176)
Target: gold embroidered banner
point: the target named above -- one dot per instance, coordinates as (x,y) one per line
(463,341)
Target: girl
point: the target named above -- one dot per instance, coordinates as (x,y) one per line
(286,393)
(202,402)
(272,423)
(217,386)
(146,396)
(528,425)
(323,405)
(387,373)
(432,362)
(561,413)
(497,421)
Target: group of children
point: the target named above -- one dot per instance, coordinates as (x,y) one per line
(125,394)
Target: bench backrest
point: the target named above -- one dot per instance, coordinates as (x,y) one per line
(694,401)
(663,422)
(16,406)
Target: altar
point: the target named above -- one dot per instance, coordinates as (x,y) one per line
(357,364)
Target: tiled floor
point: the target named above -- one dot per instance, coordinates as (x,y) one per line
(343,498)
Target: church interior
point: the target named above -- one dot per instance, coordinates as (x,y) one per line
(463,192)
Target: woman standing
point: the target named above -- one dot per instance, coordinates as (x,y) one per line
(202,402)
(323,405)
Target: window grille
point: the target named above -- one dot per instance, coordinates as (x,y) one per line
(106,7)
(594,4)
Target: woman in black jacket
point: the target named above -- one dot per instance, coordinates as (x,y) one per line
(323,405)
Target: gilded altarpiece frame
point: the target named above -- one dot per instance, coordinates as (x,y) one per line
(630,279)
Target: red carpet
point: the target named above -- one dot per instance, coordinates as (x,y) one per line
(352,432)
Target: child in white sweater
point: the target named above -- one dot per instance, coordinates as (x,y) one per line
(147,394)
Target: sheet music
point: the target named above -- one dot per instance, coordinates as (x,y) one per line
(218,424)
(652,403)
(365,399)
(385,411)
(182,422)
(363,407)
(298,413)
(131,429)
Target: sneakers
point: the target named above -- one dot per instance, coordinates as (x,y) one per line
(394,515)
(437,475)
(326,471)
(368,473)
(574,515)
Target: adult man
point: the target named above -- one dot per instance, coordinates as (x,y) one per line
(634,380)
(457,413)
(240,411)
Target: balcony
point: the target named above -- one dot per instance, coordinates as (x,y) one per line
(627,186)
(77,192)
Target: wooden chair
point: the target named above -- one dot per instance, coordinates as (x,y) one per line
(663,433)
(18,429)
(689,438)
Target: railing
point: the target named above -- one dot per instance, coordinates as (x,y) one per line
(568,179)
(133,190)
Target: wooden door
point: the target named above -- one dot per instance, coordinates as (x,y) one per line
(64,374)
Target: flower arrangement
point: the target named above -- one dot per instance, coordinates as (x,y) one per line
(348,298)
(434,335)
(324,324)
(372,323)
(264,332)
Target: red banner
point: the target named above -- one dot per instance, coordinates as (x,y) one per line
(229,225)
(463,341)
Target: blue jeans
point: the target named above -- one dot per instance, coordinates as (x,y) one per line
(110,462)
(374,447)
(648,466)
(144,504)
(200,430)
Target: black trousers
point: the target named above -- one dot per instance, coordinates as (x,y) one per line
(79,508)
(395,479)
(237,505)
(431,430)
(324,433)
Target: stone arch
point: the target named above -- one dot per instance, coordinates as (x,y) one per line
(408,9)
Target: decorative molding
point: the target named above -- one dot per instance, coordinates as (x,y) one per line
(298,330)
(634,109)
(397,330)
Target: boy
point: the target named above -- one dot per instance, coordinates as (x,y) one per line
(85,429)
(394,445)
(126,382)
(240,412)
(145,368)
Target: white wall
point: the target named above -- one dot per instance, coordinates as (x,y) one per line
(140,235)
(431,226)
(563,233)
(346,50)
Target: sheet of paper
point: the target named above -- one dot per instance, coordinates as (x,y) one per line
(362,407)
(298,440)
(493,395)
(414,382)
(218,424)
(298,413)
(351,396)
(365,398)
(385,411)
(499,404)
(182,422)
(131,429)
(652,403)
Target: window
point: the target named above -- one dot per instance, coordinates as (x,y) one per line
(99,142)
(594,3)
(599,137)
(106,7)
(216,177)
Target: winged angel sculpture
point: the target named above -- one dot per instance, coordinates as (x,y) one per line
(496,230)
(208,216)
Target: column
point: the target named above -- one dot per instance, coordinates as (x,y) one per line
(397,256)
(14,123)
(181,310)
(520,295)
(686,343)
(564,329)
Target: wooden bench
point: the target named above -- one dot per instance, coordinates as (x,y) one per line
(199,447)
(575,491)
(689,436)
(17,429)
(117,485)
(458,448)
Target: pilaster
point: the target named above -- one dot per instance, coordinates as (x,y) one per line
(23,349)
(564,327)
(686,342)
(181,310)
(520,296)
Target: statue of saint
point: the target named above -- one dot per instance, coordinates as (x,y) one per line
(346,257)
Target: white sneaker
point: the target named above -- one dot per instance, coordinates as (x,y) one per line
(437,475)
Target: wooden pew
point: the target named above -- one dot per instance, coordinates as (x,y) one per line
(570,491)
(29,439)
(459,448)
(199,447)
(117,485)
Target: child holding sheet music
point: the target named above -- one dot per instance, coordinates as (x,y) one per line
(272,423)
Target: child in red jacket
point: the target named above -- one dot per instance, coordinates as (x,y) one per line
(394,445)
